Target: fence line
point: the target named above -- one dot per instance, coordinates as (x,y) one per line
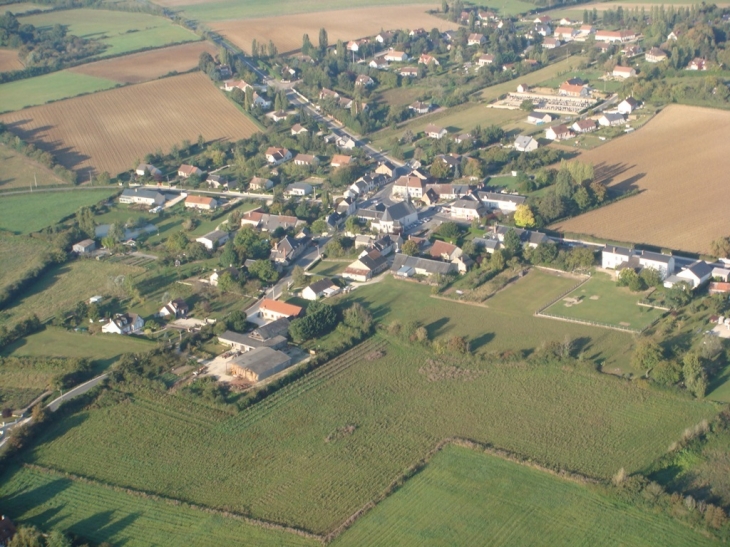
(592,323)
(563,295)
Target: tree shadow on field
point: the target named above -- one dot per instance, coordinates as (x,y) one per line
(606,173)
(27,499)
(437,328)
(62,427)
(102,527)
(581,345)
(378,312)
(480,341)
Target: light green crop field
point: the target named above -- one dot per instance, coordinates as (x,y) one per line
(317,450)
(49,87)
(463,497)
(32,212)
(601,300)
(62,287)
(18,255)
(122,31)
(22,381)
(97,513)
(20,172)
(24,7)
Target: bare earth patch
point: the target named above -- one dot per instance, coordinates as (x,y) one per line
(9,60)
(603,6)
(286,30)
(111,130)
(148,65)
(679,163)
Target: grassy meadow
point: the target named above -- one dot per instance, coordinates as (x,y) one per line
(464,496)
(601,300)
(18,255)
(49,87)
(32,212)
(20,172)
(287,460)
(98,513)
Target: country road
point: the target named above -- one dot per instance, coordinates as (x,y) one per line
(69,189)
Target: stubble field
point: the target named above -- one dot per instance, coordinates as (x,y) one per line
(148,65)
(9,60)
(111,131)
(20,172)
(679,164)
(286,30)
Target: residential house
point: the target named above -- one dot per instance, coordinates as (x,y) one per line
(258,364)
(368,265)
(269,223)
(623,72)
(542,19)
(524,143)
(507,203)
(385,37)
(718,287)
(124,323)
(543,30)
(7,530)
(260,102)
(565,33)
(373,181)
(697,64)
(464,137)
(619,258)
(230,85)
(393,56)
(486,59)
(417,32)
(175,309)
(569,89)
(523,88)
(147,169)
(444,251)
(306,160)
(271,335)
(476,39)
(721,274)
(213,240)
(673,36)
(278,116)
(87,246)
(584,31)
(539,118)
(287,249)
(435,132)
(323,288)
(426,59)
(407,266)
(345,207)
(409,72)
(277,156)
(489,244)
(694,275)
(274,309)
(615,36)
(386,168)
(420,107)
(448,192)
(298,189)
(379,63)
(298,129)
(328,94)
(529,238)
(363,80)
(216,275)
(558,133)
(466,209)
(258,183)
(655,55)
(452,161)
(186,171)
(340,160)
(550,43)
(408,186)
(632,50)
(216,181)
(201,203)
(393,219)
(612,256)
(610,119)
(346,143)
(584,126)
(627,106)
(142,197)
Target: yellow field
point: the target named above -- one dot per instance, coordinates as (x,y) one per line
(148,65)
(679,162)
(110,131)
(286,30)
(9,60)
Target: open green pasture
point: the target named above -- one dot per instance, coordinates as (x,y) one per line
(464,496)
(49,87)
(63,286)
(24,7)
(329,268)
(20,172)
(28,213)
(121,31)
(317,450)
(22,381)
(601,300)
(98,514)
(18,255)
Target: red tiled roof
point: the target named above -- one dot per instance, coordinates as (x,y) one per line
(280,307)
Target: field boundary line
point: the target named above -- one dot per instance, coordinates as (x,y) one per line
(592,323)
(173,501)
(563,295)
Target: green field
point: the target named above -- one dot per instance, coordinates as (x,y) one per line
(603,301)
(24,7)
(50,87)
(32,212)
(463,497)
(121,31)
(18,255)
(22,381)
(20,172)
(62,287)
(328,269)
(274,460)
(99,514)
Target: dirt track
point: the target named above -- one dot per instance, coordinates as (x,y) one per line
(679,162)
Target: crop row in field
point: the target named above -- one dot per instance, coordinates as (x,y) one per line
(319,449)
(111,131)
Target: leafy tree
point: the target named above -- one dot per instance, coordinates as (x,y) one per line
(679,295)
(582,198)
(57,539)
(629,278)
(228,257)
(357,317)
(116,232)
(177,242)
(237,321)
(86,222)
(527,105)
(439,169)
(512,243)
(226,282)
(449,230)
(524,216)
(721,247)
(323,41)
(264,270)
(695,377)
(497,261)
(647,355)
(667,373)
(651,277)
(319,320)
(319,226)
(298,276)
(410,248)
(27,536)
(250,244)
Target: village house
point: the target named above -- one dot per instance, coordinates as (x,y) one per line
(697,64)
(539,118)
(298,129)
(506,203)
(175,309)
(186,171)
(476,39)
(277,156)
(568,89)
(288,249)
(466,209)
(368,265)
(269,223)
(655,55)
(328,94)
(550,43)
(201,203)
(379,63)
(258,364)
(216,181)
(324,288)
(618,258)
(452,161)
(542,19)
(85,247)
(632,50)
(216,275)
(123,323)
(565,33)
(426,59)
(408,72)
(306,160)
(340,160)
(141,197)
(610,119)
(558,133)
(420,107)
(528,238)
(147,169)
(444,251)
(623,72)
(420,31)
(385,37)
(627,106)
(272,310)
(615,36)
(363,80)
(448,192)
(486,59)
(258,183)
(584,126)
(393,56)
(524,143)
(408,185)
(213,240)
(346,143)
(435,132)
(230,85)
(278,116)
(612,256)
(696,274)
(393,219)
(298,189)
(387,169)
(407,266)
(523,88)
(271,335)
(718,287)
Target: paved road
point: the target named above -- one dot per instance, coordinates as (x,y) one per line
(69,189)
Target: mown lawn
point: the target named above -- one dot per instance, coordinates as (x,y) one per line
(293,458)
(98,514)
(31,212)
(601,300)
(463,497)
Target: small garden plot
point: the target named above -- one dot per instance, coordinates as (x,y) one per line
(599,300)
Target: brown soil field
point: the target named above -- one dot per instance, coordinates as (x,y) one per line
(287,30)
(679,163)
(9,60)
(604,6)
(148,65)
(111,130)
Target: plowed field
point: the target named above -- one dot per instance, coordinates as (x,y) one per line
(286,30)
(110,131)
(679,163)
(148,65)
(9,60)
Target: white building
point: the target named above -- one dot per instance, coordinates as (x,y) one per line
(123,323)
(524,143)
(214,239)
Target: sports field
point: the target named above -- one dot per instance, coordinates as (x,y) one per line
(286,30)
(111,131)
(319,449)
(32,212)
(677,162)
(9,60)
(47,88)
(62,287)
(601,300)
(463,497)
(20,172)
(147,65)
(120,31)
